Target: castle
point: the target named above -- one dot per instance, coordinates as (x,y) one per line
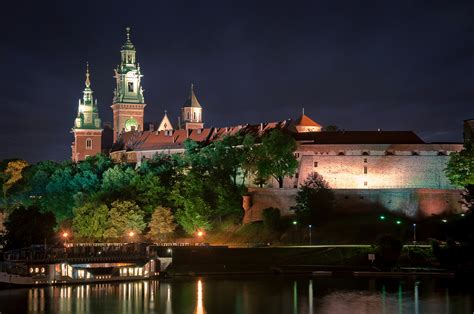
(393,169)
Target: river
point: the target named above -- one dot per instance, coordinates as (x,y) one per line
(258,294)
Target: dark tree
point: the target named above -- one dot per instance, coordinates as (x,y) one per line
(27,226)
(275,156)
(314,200)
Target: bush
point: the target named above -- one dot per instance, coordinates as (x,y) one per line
(388,249)
(271,218)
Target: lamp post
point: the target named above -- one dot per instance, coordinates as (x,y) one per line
(65,235)
(131,234)
(414,234)
(310,227)
(295,223)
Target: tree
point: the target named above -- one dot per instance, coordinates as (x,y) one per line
(331,128)
(388,249)
(13,173)
(90,221)
(314,199)
(275,156)
(194,215)
(124,216)
(161,224)
(27,226)
(271,218)
(460,171)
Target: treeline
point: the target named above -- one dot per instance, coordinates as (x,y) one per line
(100,200)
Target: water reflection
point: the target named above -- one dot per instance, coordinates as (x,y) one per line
(272,294)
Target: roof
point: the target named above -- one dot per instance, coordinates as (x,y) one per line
(304,120)
(360,137)
(192,100)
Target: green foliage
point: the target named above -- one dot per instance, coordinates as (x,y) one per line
(314,200)
(275,156)
(388,249)
(27,226)
(161,224)
(460,168)
(271,218)
(124,216)
(194,215)
(90,222)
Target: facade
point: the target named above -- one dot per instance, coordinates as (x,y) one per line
(393,169)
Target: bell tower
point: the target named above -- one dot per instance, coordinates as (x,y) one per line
(128,103)
(191,112)
(87,126)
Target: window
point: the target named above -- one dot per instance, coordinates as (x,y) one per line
(89,143)
(365,160)
(441,153)
(365,169)
(297,155)
(194,115)
(315,164)
(365,153)
(297,175)
(414,153)
(189,116)
(365,183)
(389,153)
(341,154)
(130,87)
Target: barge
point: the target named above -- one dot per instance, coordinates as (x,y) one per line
(80,263)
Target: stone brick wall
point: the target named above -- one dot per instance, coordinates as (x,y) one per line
(374,166)
(410,202)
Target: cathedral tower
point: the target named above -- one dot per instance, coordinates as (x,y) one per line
(128,103)
(87,126)
(191,112)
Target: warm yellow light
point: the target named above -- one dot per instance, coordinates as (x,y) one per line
(200,233)
(131,233)
(65,235)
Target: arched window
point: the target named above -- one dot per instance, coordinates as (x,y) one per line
(89,143)
(189,116)
(194,115)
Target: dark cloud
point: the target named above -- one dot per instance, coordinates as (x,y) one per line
(401,65)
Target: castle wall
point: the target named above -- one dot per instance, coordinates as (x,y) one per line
(415,203)
(374,166)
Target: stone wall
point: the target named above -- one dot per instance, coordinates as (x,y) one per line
(374,166)
(415,203)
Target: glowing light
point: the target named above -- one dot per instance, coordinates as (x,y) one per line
(200,233)
(65,234)
(444,220)
(382,217)
(398,222)
(295,222)
(199,306)
(131,234)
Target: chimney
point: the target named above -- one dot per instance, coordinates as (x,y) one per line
(151,127)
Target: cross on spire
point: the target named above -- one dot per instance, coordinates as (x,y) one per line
(88,82)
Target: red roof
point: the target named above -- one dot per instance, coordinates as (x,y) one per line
(304,120)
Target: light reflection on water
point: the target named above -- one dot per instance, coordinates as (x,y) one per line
(272,294)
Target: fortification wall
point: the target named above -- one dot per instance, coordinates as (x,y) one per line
(415,203)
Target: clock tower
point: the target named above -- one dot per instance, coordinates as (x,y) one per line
(128,103)
(87,126)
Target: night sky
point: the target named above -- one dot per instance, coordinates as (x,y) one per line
(403,65)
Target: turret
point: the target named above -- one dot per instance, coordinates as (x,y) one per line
(191,112)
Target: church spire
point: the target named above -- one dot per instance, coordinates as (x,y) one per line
(87,112)
(88,82)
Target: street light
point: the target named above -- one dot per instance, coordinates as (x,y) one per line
(382,217)
(65,235)
(131,234)
(310,229)
(414,234)
(399,222)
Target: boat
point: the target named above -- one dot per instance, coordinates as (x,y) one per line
(78,263)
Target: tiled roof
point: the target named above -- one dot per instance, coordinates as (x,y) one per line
(304,120)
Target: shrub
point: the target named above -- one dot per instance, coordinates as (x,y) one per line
(388,250)
(271,218)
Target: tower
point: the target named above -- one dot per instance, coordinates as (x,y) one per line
(87,126)
(128,103)
(191,112)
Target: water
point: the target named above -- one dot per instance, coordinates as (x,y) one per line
(260,294)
